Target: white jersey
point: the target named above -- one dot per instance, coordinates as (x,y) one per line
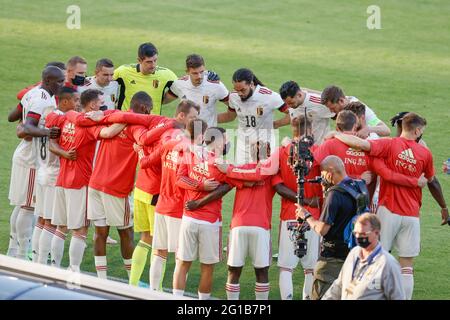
(47,161)
(318,114)
(110,92)
(36,103)
(205,95)
(371,118)
(255,118)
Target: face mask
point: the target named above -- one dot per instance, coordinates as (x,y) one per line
(103,108)
(226,148)
(78,80)
(363,242)
(418,138)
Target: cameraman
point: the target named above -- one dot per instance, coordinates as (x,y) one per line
(285,184)
(339,208)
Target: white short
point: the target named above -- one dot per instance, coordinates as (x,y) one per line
(202,241)
(166,233)
(22,188)
(70,208)
(45,196)
(249,241)
(287,258)
(399,232)
(115,210)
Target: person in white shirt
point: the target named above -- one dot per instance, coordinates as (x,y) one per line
(37,103)
(297,100)
(253,104)
(334,99)
(369,272)
(196,86)
(103,81)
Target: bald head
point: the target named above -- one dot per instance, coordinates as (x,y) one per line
(333,164)
(52,79)
(51,72)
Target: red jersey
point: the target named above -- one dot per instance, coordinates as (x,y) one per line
(22,92)
(355,162)
(149,178)
(409,158)
(74,174)
(287,177)
(171,197)
(191,175)
(252,206)
(116,161)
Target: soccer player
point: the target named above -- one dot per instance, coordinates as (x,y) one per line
(76,72)
(201,228)
(285,183)
(170,205)
(145,197)
(70,205)
(145,76)
(103,81)
(297,100)
(356,162)
(334,98)
(22,92)
(196,86)
(250,225)
(47,174)
(111,183)
(37,103)
(399,206)
(253,104)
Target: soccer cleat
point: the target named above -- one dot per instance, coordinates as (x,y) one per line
(111,241)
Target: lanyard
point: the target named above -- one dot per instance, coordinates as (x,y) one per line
(363,269)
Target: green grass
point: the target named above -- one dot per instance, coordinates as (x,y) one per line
(403,66)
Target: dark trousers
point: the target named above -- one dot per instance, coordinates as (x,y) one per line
(327,270)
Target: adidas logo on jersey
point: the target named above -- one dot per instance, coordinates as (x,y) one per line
(408,156)
(354,153)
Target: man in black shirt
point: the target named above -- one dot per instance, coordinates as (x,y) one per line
(339,208)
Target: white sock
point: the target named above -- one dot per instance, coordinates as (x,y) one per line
(127,264)
(285,282)
(262,291)
(177,292)
(45,244)
(232,291)
(156,269)
(204,296)
(408,282)
(13,245)
(307,285)
(35,241)
(76,251)
(57,248)
(24,228)
(101,266)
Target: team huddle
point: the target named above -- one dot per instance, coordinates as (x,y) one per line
(95,151)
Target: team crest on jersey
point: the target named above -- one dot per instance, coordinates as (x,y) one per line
(259,111)
(205,99)
(155,84)
(113,97)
